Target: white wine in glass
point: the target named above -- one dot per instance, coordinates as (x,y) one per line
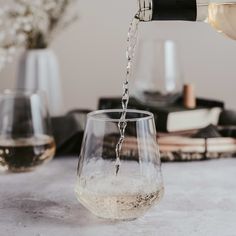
(222,17)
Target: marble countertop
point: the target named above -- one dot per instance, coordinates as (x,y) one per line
(200,199)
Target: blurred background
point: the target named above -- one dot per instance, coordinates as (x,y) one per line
(91,54)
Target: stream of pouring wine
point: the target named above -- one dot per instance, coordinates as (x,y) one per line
(131,45)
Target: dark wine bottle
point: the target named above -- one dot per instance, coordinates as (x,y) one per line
(184,10)
(220,14)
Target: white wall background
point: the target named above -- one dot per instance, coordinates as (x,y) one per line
(92,54)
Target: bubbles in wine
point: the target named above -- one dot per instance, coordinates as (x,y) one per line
(118,197)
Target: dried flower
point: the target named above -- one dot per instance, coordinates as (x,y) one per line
(32,24)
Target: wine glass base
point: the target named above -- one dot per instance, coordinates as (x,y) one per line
(156,99)
(116,219)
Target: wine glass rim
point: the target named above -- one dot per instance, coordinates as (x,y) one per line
(94,115)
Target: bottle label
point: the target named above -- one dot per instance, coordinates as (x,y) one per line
(174,10)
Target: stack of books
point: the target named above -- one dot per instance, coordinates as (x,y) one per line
(175,117)
(179,129)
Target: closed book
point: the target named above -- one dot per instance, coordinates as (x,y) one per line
(175,117)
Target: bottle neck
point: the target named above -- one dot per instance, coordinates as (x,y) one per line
(185,10)
(145,10)
(202,10)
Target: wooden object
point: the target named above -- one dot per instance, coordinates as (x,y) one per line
(189,96)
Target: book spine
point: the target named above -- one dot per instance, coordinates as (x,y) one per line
(209,103)
(161,122)
(204,102)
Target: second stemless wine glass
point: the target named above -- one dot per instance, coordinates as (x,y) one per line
(158,72)
(25,133)
(138,185)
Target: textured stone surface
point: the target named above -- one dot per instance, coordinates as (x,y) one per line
(200,199)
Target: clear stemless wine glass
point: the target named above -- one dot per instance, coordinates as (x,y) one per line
(158,72)
(25,133)
(138,185)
